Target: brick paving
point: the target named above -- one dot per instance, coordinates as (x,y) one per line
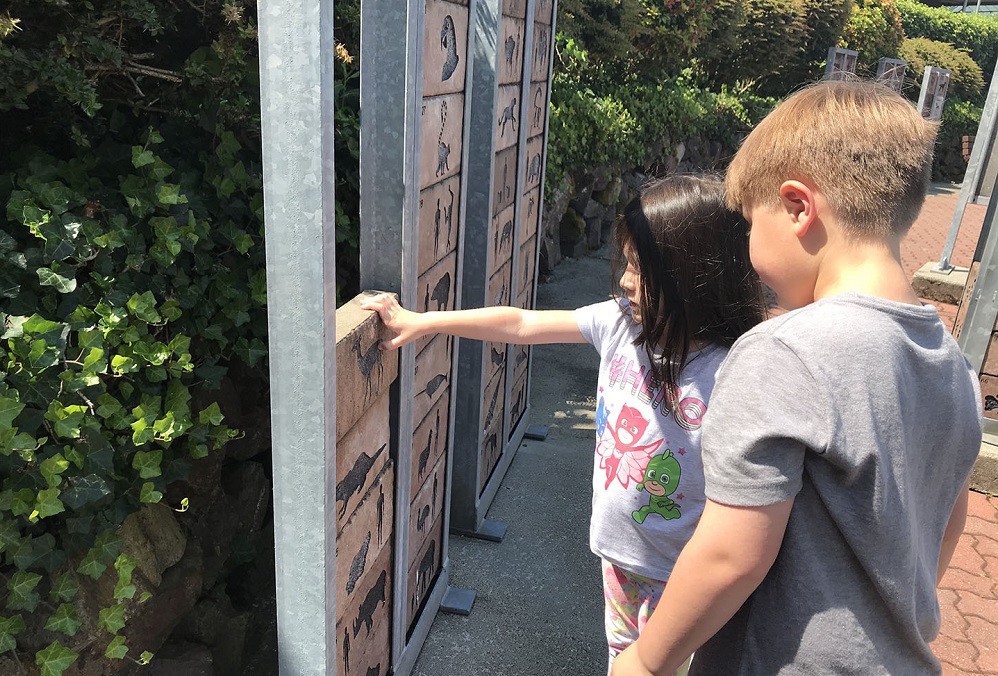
(968,594)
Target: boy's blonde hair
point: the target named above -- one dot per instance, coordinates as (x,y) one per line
(863,145)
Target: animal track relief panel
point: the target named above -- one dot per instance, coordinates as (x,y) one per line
(414,122)
(505,173)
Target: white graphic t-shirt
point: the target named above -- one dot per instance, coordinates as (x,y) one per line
(648,490)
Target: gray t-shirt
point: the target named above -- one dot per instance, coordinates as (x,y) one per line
(647,475)
(867,414)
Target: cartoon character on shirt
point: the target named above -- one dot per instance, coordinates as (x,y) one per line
(620,455)
(661,480)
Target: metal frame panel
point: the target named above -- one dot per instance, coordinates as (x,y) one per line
(982,309)
(296,89)
(970,188)
(391,93)
(479,179)
(833,73)
(931,77)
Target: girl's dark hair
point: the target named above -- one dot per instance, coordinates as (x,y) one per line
(697,284)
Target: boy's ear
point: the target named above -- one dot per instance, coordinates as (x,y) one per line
(800,205)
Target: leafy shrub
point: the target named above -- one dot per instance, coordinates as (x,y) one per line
(966,79)
(131,277)
(874,30)
(960,118)
(623,125)
(771,42)
(977,33)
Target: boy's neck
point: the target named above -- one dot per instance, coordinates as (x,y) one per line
(868,267)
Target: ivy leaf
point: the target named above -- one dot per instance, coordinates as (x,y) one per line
(9,628)
(9,409)
(67,419)
(144,307)
(46,277)
(148,463)
(91,566)
(149,493)
(124,589)
(65,588)
(55,659)
(108,545)
(84,490)
(212,415)
(141,157)
(112,618)
(144,596)
(10,534)
(48,504)
(21,586)
(169,193)
(64,620)
(116,649)
(145,658)
(52,468)
(22,502)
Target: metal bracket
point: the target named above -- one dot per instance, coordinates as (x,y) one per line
(458,601)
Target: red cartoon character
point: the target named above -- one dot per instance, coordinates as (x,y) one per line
(619,453)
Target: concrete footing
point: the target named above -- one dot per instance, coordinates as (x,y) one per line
(984,478)
(940,286)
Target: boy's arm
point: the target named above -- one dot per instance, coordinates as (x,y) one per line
(726,559)
(500,323)
(954,529)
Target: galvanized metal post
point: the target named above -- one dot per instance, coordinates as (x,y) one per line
(296,91)
(979,155)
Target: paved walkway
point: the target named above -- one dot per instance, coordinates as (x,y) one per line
(968,596)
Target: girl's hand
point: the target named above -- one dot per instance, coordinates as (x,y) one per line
(407,326)
(628,663)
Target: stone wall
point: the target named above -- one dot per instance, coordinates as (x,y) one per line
(579,217)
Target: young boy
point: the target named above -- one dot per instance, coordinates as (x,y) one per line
(841,435)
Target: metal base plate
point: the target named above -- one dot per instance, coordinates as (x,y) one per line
(458,601)
(536,432)
(493,531)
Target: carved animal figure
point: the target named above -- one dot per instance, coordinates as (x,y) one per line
(381,513)
(521,356)
(518,404)
(507,233)
(434,384)
(436,427)
(436,227)
(508,115)
(498,357)
(534,171)
(449,215)
(491,444)
(426,299)
(509,51)
(530,207)
(448,42)
(541,46)
(538,108)
(441,292)
(376,596)
(423,574)
(492,408)
(366,361)
(424,514)
(375,670)
(358,564)
(424,456)
(503,189)
(355,478)
(502,294)
(346,650)
(443,149)
(434,499)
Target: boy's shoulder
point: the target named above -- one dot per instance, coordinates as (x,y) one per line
(852,320)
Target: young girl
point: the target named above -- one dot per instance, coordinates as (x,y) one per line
(688,291)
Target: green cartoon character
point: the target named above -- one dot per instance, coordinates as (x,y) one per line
(661,481)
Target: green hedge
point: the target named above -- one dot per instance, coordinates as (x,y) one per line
(874,30)
(977,33)
(630,124)
(966,79)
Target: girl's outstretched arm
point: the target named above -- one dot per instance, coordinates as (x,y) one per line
(501,323)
